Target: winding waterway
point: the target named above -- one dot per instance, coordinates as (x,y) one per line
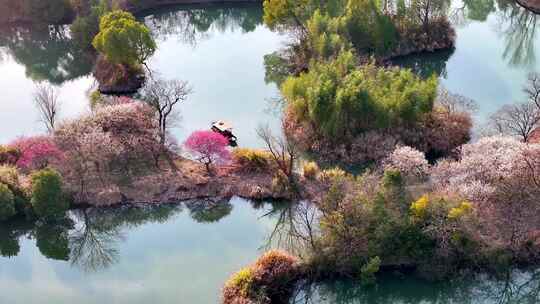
(184,253)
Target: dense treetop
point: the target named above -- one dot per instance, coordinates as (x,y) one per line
(124,40)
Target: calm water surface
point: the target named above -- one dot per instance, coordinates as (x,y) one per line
(184,253)
(166,254)
(218,49)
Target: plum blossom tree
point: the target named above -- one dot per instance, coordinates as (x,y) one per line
(120,137)
(409,161)
(500,176)
(36,152)
(208,148)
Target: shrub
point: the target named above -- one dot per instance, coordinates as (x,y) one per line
(252,160)
(339,99)
(9,155)
(269,280)
(47,199)
(7,203)
(239,285)
(310,170)
(368,271)
(330,175)
(419,207)
(17,184)
(459,211)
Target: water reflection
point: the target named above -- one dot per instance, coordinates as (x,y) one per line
(518,28)
(427,64)
(46,52)
(209,210)
(88,239)
(192,24)
(296,227)
(472,10)
(515,287)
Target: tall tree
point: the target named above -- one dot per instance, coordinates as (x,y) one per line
(124,40)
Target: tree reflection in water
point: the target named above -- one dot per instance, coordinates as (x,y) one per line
(88,239)
(192,24)
(209,210)
(518,27)
(426,64)
(47,53)
(296,227)
(515,287)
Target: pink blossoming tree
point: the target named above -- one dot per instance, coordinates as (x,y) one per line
(409,161)
(501,177)
(36,152)
(208,148)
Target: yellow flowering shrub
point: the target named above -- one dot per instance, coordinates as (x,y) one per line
(419,207)
(241,282)
(252,159)
(459,211)
(333,174)
(311,170)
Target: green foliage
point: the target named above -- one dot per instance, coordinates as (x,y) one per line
(368,218)
(392,178)
(53,242)
(96,99)
(7,203)
(337,99)
(47,199)
(283,13)
(86,27)
(210,213)
(124,40)
(10,176)
(9,244)
(325,36)
(368,28)
(368,271)
(276,68)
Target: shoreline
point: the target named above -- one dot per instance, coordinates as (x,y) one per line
(190,182)
(531,5)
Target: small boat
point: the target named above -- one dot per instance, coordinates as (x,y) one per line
(225,129)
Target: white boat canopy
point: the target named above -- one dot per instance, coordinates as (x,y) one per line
(222,126)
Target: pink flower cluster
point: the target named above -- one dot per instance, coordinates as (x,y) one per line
(487,167)
(409,161)
(36,152)
(208,147)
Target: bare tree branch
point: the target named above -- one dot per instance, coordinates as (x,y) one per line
(47,101)
(516,120)
(163,96)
